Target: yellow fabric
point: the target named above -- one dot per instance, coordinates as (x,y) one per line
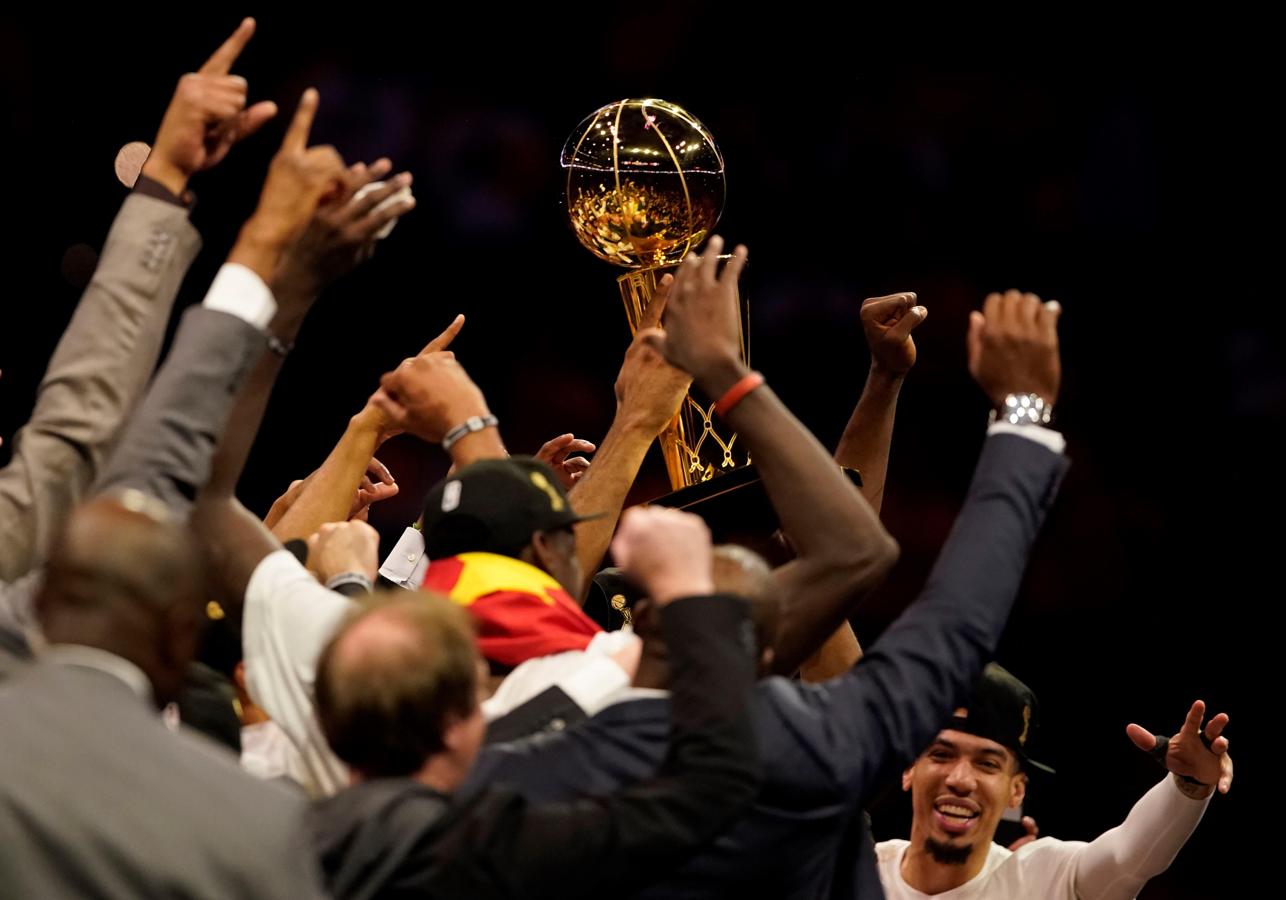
(489,573)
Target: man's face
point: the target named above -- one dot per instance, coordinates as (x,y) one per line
(464,735)
(959,788)
(561,562)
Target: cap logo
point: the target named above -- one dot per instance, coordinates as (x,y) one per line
(555,499)
(451,496)
(1022,738)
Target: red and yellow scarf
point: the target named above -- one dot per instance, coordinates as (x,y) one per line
(521,611)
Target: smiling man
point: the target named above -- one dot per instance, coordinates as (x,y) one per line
(977,768)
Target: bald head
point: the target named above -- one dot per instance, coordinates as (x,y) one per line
(393,679)
(738,570)
(125,577)
(124,547)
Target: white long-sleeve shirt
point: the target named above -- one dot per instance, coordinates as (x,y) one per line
(1115,865)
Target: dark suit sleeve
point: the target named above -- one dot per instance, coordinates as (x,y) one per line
(600,846)
(875,719)
(552,710)
(167,447)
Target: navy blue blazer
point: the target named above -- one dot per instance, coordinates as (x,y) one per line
(827,747)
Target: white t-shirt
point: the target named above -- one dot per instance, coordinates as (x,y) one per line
(1114,866)
(289,618)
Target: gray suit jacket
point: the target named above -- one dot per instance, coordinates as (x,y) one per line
(95,376)
(98,798)
(168,446)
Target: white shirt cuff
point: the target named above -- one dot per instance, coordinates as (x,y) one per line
(1050,438)
(238,291)
(595,684)
(406,565)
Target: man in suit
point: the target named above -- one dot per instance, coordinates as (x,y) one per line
(121,609)
(97,796)
(110,348)
(826,747)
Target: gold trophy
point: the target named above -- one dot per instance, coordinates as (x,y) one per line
(645,185)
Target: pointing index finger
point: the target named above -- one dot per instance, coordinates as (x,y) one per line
(220,63)
(297,134)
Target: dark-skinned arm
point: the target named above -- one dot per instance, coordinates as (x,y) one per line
(843,551)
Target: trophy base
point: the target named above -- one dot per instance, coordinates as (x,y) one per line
(735,507)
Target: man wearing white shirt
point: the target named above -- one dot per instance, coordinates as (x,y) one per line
(976,769)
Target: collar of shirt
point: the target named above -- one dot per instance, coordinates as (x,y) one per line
(406,565)
(94,658)
(626,694)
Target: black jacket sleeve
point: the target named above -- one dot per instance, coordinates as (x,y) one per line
(502,846)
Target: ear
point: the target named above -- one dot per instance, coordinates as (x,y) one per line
(182,626)
(1017,790)
(766,658)
(542,548)
(453,734)
(457,736)
(906,777)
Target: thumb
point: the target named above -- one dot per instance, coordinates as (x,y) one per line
(1142,738)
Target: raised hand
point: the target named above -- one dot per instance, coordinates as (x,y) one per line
(702,333)
(1197,756)
(888,323)
(1013,347)
(206,117)
(556,454)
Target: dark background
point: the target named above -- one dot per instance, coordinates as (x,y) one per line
(1119,167)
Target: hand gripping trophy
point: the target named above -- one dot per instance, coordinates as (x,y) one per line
(645,185)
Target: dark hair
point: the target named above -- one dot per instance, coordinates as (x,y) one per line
(384,706)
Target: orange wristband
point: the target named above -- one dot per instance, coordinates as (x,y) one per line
(737,392)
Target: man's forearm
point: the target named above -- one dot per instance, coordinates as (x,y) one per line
(328,495)
(864,446)
(1120,861)
(840,653)
(603,489)
(842,549)
(867,437)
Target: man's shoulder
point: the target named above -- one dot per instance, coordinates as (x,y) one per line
(886,851)
(1044,863)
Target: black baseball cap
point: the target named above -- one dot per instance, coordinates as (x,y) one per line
(494,506)
(1002,709)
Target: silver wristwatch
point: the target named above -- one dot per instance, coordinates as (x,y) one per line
(471,424)
(1023,409)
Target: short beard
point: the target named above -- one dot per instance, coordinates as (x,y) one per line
(948,854)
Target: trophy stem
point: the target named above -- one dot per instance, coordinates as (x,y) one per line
(693,450)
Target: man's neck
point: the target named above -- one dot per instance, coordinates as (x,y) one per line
(441,773)
(924,873)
